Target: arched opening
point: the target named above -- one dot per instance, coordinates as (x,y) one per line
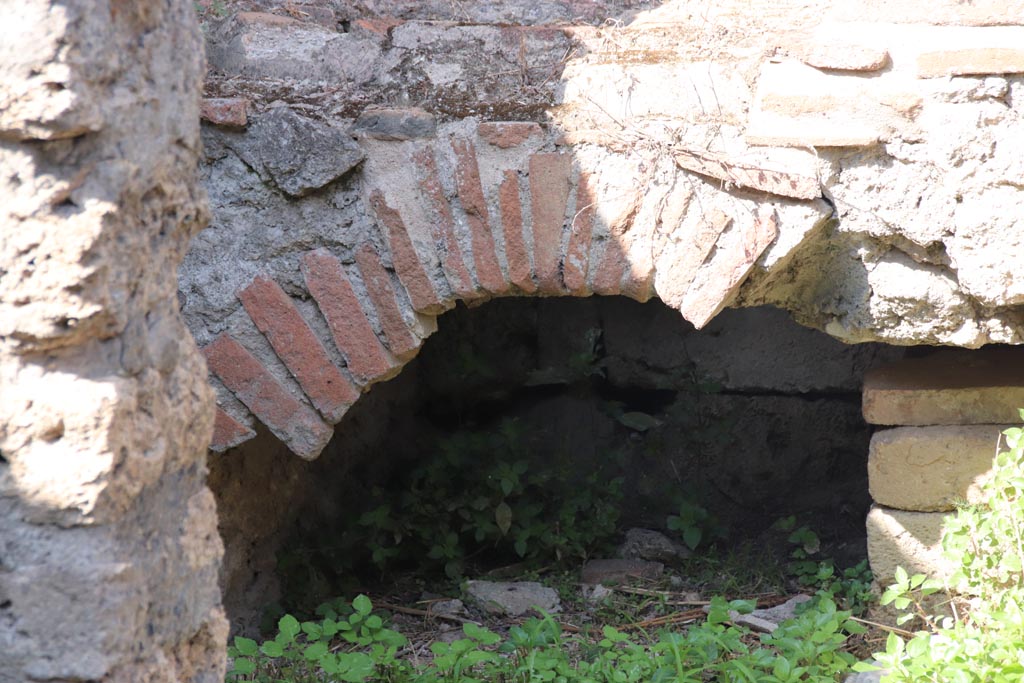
(753,418)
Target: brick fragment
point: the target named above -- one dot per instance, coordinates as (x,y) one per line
(298,347)
(401,340)
(225,111)
(550,182)
(520,272)
(379,25)
(228,432)
(353,334)
(576,264)
(607,280)
(950,386)
(471,193)
(686,258)
(838,56)
(407,262)
(976,61)
(298,426)
(507,134)
(720,280)
(615,262)
(264,19)
(443,228)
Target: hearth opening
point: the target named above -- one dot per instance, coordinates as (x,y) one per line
(531,437)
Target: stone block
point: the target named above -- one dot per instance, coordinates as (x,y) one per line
(798,105)
(620,570)
(262,45)
(840,56)
(298,347)
(550,182)
(298,426)
(948,387)
(951,12)
(929,469)
(353,334)
(912,540)
(296,153)
(396,124)
(970,62)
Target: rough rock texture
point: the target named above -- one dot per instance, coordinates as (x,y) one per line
(109,551)
(513,598)
(950,387)
(912,540)
(931,469)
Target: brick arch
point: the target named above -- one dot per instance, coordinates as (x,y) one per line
(492,210)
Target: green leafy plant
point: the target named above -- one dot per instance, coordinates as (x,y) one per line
(347,648)
(355,646)
(851,587)
(981,638)
(695,524)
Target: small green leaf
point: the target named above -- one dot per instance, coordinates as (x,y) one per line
(503,517)
(289,626)
(362,605)
(639,422)
(692,537)
(244,667)
(315,651)
(245,646)
(272,648)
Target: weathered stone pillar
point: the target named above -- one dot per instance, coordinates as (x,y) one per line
(109,550)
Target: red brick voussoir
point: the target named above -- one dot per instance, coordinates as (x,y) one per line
(228,432)
(407,262)
(471,193)
(401,340)
(520,272)
(550,182)
(298,347)
(298,426)
(443,227)
(353,334)
(576,266)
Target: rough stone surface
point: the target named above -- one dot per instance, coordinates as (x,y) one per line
(297,154)
(931,469)
(513,598)
(108,535)
(645,544)
(948,387)
(912,540)
(618,571)
(396,124)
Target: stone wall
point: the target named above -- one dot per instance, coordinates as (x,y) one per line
(945,414)
(368,169)
(109,550)
(369,165)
